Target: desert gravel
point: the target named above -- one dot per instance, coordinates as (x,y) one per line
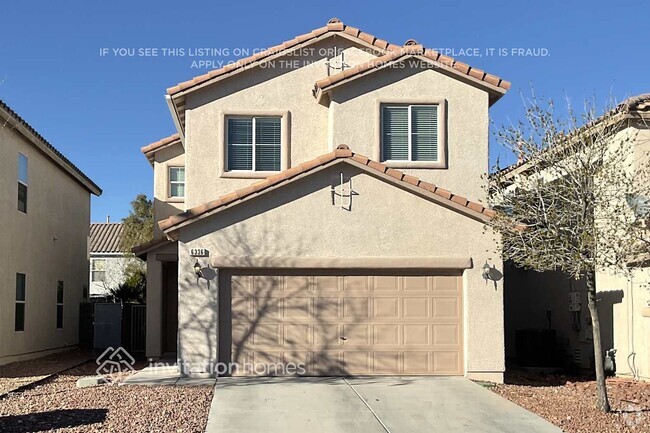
(57,405)
(569,403)
(17,374)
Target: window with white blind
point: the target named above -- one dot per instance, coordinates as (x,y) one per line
(253,143)
(176,182)
(409,132)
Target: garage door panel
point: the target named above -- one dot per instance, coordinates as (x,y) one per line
(417,334)
(387,362)
(386,334)
(383,283)
(417,362)
(349,324)
(386,308)
(446,334)
(416,283)
(446,362)
(297,307)
(356,283)
(356,308)
(416,308)
(446,308)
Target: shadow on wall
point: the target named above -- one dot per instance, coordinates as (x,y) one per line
(51,420)
(540,301)
(248,329)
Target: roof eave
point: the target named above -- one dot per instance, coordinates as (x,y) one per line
(18,124)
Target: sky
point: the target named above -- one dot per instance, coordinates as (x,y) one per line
(99,108)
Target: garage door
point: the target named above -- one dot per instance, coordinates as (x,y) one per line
(346,324)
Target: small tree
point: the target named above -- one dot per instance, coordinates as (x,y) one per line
(138,226)
(576,201)
(133,289)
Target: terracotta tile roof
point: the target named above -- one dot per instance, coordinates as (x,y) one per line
(437,194)
(412,48)
(333,26)
(150,149)
(105,237)
(54,154)
(636,103)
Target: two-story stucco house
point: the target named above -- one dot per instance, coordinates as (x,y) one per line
(45,219)
(319,206)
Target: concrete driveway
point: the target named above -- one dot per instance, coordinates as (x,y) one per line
(365,405)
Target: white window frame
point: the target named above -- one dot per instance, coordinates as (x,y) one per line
(254,144)
(24,183)
(410,133)
(441,103)
(285,145)
(170,182)
(60,304)
(93,271)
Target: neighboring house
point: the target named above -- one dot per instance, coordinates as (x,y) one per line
(550,300)
(108,264)
(308,252)
(44,255)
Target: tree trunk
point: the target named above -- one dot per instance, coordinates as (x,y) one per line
(602,402)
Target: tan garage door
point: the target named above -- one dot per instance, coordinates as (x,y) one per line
(347,324)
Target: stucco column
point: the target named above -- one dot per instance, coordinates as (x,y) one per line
(154,307)
(197,315)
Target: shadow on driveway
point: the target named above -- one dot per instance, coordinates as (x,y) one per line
(51,420)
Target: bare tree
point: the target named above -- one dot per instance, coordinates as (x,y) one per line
(576,201)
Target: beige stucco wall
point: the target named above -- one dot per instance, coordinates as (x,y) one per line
(165,206)
(356,121)
(49,243)
(351,118)
(630,328)
(299,220)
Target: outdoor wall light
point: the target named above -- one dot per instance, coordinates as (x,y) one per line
(197,270)
(491,273)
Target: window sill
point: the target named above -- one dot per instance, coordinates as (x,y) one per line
(175,200)
(248,174)
(415,164)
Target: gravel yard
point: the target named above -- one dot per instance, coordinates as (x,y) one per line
(58,405)
(569,402)
(17,374)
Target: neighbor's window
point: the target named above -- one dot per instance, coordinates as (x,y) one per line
(253,143)
(177,182)
(98,270)
(59,305)
(19,323)
(22,183)
(409,133)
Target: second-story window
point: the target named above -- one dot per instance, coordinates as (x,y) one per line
(254,143)
(409,133)
(98,270)
(22,183)
(176,182)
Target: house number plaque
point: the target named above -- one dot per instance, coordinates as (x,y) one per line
(199,252)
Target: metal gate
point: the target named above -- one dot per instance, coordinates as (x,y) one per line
(107,326)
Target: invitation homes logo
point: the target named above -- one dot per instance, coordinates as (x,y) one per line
(240,368)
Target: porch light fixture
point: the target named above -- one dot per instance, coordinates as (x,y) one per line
(486,271)
(197,270)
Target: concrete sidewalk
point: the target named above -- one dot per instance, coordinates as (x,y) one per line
(364,405)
